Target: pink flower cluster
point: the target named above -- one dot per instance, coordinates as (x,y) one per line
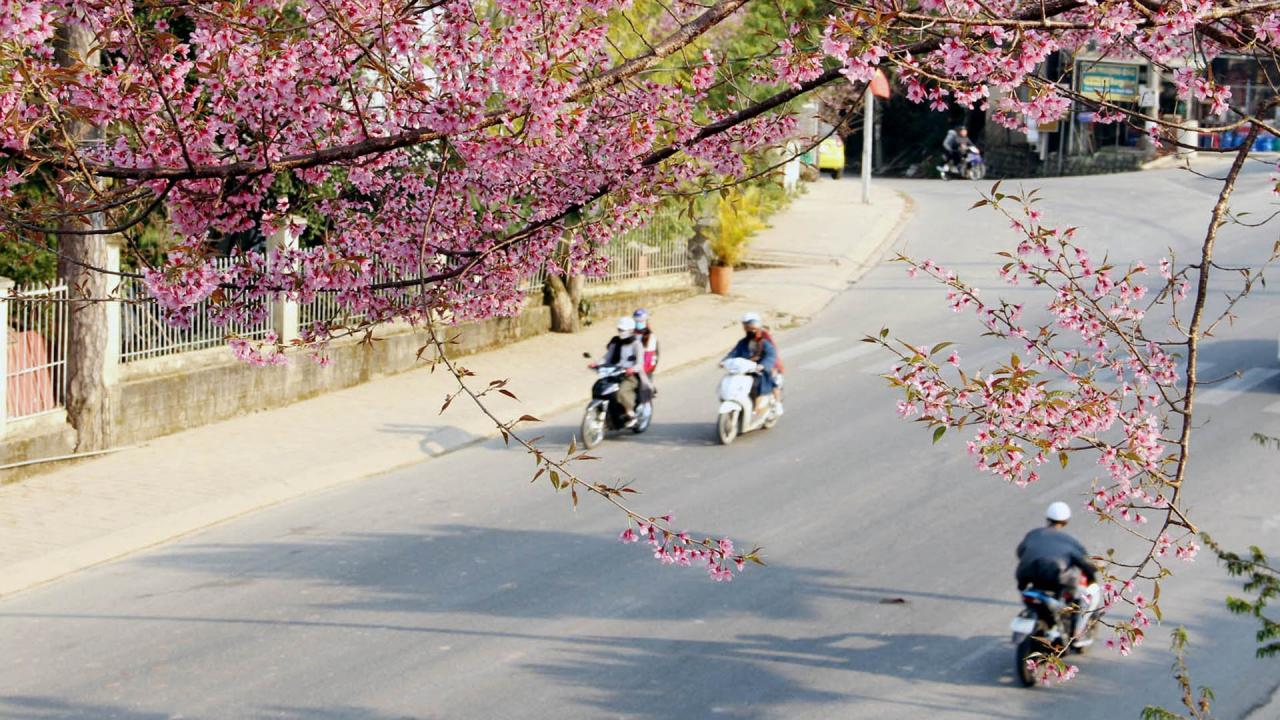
(672,548)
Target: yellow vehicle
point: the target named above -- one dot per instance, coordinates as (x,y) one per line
(831,156)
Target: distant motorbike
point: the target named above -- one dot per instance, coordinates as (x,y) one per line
(972,167)
(604,414)
(1044,622)
(737,414)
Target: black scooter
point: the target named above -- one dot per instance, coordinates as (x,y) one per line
(604,414)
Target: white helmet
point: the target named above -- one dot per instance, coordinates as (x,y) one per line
(626,325)
(1058,512)
(751,318)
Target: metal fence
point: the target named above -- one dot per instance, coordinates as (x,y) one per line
(145,333)
(659,247)
(324,308)
(36,381)
(327,307)
(37,344)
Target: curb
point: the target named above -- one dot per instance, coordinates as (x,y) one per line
(36,572)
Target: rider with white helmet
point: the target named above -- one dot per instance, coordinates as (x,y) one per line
(1052,561)
(627,352)
(758,347)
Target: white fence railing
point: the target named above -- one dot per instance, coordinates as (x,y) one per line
(659,247)
(36,381)
(146,334)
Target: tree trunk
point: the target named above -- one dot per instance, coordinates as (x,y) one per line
(566,295)
(88,403)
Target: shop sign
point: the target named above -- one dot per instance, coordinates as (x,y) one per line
(1109,81)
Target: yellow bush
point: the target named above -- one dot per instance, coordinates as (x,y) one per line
(740,214)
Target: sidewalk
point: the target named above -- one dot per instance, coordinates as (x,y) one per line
(100,509)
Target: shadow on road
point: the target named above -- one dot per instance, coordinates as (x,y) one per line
(661,434)
(43,708)
(28,707)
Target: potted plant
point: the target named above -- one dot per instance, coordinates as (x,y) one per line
(739,219)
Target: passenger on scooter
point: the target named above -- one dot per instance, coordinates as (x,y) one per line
(758,348)
(1051,561)
(627,352)
(648,339)
(777,371)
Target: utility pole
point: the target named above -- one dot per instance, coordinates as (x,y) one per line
(868,122)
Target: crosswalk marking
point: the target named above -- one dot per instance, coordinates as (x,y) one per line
(1219,394)
(789,351)
(841,357)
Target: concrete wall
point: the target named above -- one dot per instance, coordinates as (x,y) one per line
(165,395)
(43,436)
(1015,161)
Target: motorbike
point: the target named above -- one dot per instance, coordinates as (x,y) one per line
(1042,626)
(604,414)
(737,414)
(972,167)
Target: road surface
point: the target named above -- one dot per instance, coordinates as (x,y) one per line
(454,589)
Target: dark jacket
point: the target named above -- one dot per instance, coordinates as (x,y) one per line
(1047,545)
(762,352)
(627,354)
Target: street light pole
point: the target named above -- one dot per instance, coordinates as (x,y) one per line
(868,120)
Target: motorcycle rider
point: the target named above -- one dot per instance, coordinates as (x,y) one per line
(954,147)
(1052,561)
(758,347)
(627,352)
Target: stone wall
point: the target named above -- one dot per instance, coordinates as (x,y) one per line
(1015,161)
(153,399)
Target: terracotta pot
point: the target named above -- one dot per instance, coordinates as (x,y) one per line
(721,279)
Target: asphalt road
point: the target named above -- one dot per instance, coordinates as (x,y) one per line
(455,589)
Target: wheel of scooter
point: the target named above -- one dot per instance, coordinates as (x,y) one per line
(769,421)
(1025,649)
(727,427)
(976,171)
(643,418)
(592,429)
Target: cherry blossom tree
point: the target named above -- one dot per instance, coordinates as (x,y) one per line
(455,147)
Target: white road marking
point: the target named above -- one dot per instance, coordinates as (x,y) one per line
(841,357)
(1221,393)
(789,351)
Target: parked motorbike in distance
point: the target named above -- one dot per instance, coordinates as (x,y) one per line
(737,407)
(972,167)
(1043,624)
(604,414)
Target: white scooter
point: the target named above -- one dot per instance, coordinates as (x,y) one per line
(737,413)
(1042,625)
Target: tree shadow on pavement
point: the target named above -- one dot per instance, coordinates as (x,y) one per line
(1229,356)
(742,678)
(748,677)
(28,707)
(31,707)
(492,571)
(434,440)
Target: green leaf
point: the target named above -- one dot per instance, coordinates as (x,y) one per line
(940,346)
(1062,459)
(937,434)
